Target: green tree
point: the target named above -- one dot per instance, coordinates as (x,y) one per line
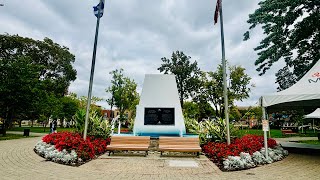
(124,94)
(187,73)
(212,88)
(191,110)
(69,107)
(46,106)
(292,34)
(234,113)
(28,69)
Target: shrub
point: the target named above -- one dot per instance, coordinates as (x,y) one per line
(243,153)
(244,161)
(96,126)
(85,149)
(209,130)
(247,144)
(49,152)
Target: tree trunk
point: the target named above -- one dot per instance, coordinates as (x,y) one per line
(111,113)
(217,111)
(181,102)
(4,128)
(7,121)
(20,122)
(221,113)
(181,94)
(32,123)
(45,124)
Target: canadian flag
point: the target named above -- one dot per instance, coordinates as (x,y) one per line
(216,13)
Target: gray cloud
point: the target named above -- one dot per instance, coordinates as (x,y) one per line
(135,34)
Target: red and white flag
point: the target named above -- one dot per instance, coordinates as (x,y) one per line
(216,13)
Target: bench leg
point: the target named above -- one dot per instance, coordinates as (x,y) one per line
(161,153)
(145,155)
(109,153)
(198,154)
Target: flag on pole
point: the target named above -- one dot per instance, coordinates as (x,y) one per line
(216,13)
(96,9)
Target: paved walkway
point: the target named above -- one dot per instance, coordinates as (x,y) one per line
(279,140)
(18,161)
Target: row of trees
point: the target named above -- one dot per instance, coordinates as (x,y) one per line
(292,34)
(34,78)
(204,89)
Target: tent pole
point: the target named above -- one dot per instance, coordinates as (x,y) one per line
(264,117)
(314,131)
(269,124)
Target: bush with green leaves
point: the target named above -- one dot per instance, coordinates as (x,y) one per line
(131,124)
(214,130)
(192,125)
(97,126)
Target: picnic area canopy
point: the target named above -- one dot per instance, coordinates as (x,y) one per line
(306,92)
(315,114)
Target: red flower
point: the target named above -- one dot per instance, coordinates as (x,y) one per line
(86,149)
(248,143)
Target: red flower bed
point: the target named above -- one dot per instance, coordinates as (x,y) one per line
(86,149)
(248,143)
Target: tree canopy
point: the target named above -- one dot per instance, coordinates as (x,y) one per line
(186,72)
(32,74)
(211,89)
(123,92)
(292,30)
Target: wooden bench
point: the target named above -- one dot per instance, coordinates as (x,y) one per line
(129,143)
(179,144)
(287,131)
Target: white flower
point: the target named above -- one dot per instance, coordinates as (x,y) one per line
(51,153)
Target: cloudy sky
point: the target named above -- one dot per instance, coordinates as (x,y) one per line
(135,34)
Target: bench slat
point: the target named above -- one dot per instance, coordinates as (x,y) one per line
(130,143)
(179,144)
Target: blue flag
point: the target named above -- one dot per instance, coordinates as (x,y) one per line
(96,9)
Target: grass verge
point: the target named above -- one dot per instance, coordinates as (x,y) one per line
(40,129)
(275,133)
(315,142)
(12,136)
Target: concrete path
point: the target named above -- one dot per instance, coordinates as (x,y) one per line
(279,140)
(18,161)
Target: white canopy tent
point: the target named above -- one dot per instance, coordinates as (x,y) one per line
(314,115)
(306,92)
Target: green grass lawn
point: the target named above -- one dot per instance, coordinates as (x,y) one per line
(316,142)
(40,129)
(275,133)
(12,136)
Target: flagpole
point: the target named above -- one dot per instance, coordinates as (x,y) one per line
(92,72)
(225,90)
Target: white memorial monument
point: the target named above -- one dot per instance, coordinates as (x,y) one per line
(159,110)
